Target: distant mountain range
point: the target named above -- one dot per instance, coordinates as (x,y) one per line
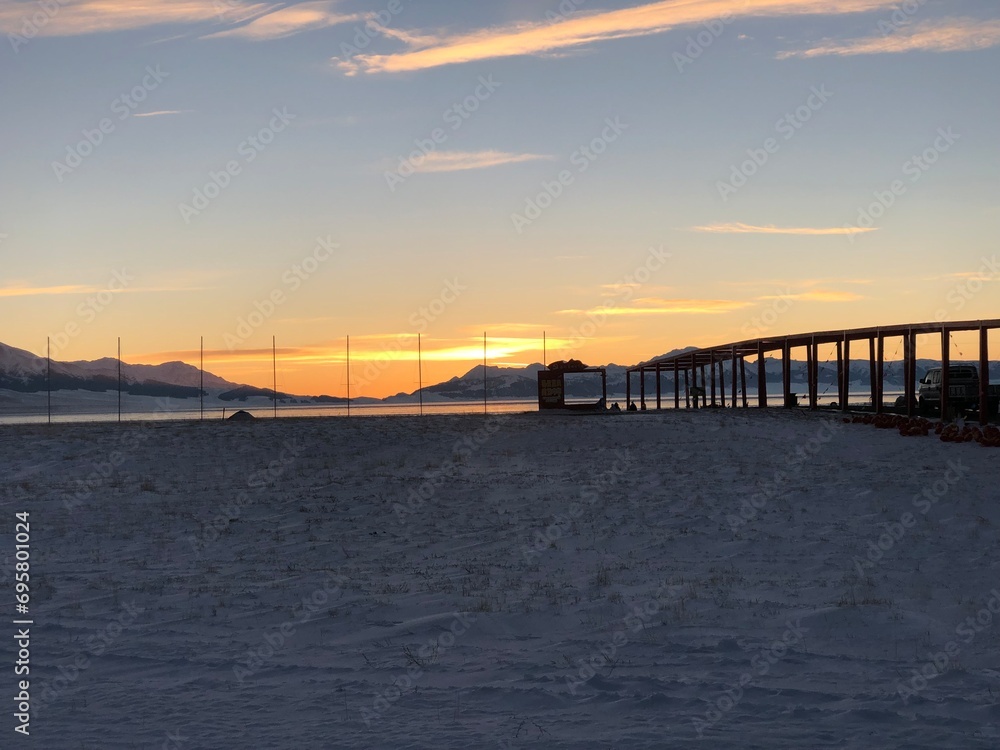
(24,372)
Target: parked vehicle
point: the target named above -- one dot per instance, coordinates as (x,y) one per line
(963,391)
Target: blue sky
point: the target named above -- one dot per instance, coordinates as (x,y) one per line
(835,99)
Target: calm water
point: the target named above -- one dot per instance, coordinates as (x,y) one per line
(103,413)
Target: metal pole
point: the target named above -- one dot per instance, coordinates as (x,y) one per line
(119,378)
(420,373)
(48,374)
(274,374)
(202,382)
(348,376)
(545,351)
(484,373)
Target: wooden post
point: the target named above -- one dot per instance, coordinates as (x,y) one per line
(677,385)
(872,377)
(712,368)
(722,383)
(704,388)
(786,373)
(984,375)
(687,390)
(743,380)
(814,377)
(847,375)
(880,381)
(642,388)
(659,399)
(840,373)
(628,388)
(910,381)
(761,376)
(733,377)
(945,378)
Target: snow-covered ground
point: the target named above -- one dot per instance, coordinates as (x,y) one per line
(653,580)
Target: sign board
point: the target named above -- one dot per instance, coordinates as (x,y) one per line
(551,390)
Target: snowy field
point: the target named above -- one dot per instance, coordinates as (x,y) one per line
(654,580)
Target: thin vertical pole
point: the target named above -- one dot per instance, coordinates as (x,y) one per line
(840,373)
(642,388)
(48,374)
(348,376)
(274,374)
(201,387)
(659,400)
(712,368)
(420,373)
(722,383)
(119,378)
(687,390)
(545,351)
(484,373)
(786,374)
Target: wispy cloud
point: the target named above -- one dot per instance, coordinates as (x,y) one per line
(738,228)
(238,18)
(291,20)
(35,291)
(948,35)
(582,29)
(816,295)
(656,306)
(457,161)
(77,17)
(161,112)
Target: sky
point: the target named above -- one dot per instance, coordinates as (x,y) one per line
(623,178)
